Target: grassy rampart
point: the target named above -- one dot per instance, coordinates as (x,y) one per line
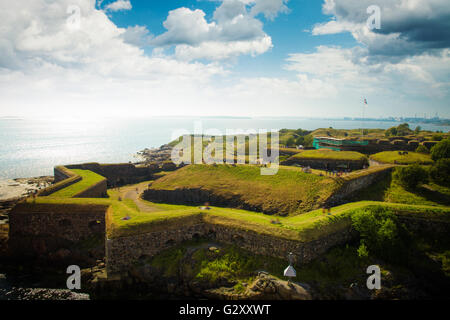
(398,157)
(289,192)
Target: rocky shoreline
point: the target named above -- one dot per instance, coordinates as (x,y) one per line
(14,190)
(156,155)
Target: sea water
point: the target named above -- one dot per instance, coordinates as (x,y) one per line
(31,147)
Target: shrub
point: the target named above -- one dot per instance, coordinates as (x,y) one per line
(422,149)
(381,234)
(290,142)
(436,137)
(300,141)
(411,176)
(309,140)
(440,172)
(441,150)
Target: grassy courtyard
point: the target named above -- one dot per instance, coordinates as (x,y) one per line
(394,157)
(326,154)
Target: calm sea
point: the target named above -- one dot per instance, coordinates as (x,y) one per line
(32,147)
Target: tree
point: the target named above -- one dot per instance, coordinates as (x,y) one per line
(418,129)
(391,132)
(400,130)
(422,149)
(309,140)
(300,141)
(440,172)
(436,137)
(403,129)
(381,234)
(411,176)
(441,150)
(290,142)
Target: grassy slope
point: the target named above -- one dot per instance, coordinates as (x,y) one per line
(329,154)
(88,179)
(390,190)
(394,157)
(289,191)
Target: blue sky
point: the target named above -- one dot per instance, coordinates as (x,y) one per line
(288,30)
(311,58)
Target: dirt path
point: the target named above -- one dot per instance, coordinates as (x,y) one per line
(133,192)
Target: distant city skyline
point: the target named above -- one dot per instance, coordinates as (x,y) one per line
(230,58)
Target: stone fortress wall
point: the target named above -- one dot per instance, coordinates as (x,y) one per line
(122,253)
(324,164)
(363,180)
(77,233)
(124,173)
(57,233)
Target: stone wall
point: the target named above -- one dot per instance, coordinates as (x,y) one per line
(62,233)
(121,253)
(324,164)
(98,190)
(119,174)
(426,226)
(63,179)
(198,196)
(61,173)
(353,185)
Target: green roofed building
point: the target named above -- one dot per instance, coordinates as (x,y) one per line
(339,144)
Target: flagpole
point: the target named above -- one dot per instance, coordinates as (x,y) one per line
(363,114)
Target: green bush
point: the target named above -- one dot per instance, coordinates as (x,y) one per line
(441,150)
(411,176)
(290,142)
(309,140)
(440,172)
(381,234)
(436,137)
(422,149)
(300,141)
(401,130)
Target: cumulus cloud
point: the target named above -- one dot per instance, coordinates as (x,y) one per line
(347,70)
(269,8)
(52,62)
(119,5)
(234,30)
(408,27)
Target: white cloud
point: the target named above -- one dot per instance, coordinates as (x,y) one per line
(349,70)
(270,8)
(47,68)
(223,50)
(408,27)
(233,31)
(119,5)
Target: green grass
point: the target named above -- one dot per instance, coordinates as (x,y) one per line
(284,186)
(389,190)
(305,227)
(289,192)
(330,155)
(88,179)
(393,157)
